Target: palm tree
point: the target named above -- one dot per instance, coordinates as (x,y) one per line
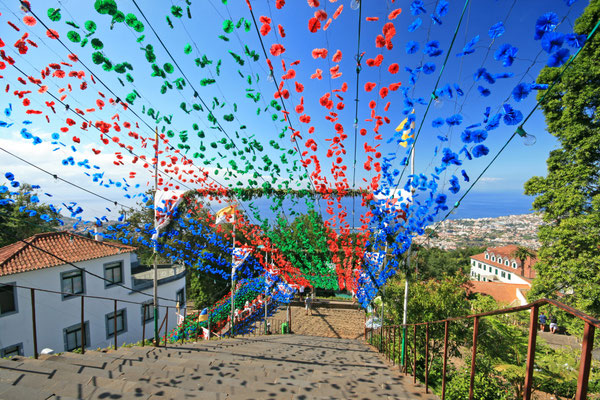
(522,254)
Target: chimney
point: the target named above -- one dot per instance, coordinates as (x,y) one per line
(97,235)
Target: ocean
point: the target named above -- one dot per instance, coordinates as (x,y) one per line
(475,205)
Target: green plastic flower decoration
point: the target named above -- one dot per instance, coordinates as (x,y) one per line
(97,57)
(187,49)
(74,36)
(54,14)
(228,26)
(168,67)
(138,26)
(90,26)
(106,6)
(97,44)
(119,17)
(177,11)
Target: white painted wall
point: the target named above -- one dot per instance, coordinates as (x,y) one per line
(53,313)
(490,274)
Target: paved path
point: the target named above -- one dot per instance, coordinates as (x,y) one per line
(270,367)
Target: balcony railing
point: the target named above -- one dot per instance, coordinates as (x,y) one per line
(143,276)
(388,334)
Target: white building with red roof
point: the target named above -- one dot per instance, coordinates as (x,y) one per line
(65,266)
(498,264)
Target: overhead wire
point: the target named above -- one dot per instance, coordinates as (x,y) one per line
(520,130)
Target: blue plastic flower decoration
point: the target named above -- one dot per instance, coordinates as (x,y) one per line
(485,92)
(432,48)
(454,120)
(428,68)
(494,122)
(468,49)
(521,91)
(552,41)
(575,40)
(442,8)
(412,47)
(559,58)
(466,136)
(415,25)
(479,136)
(496,30)
(506,53)
(449,157)
(436,123)
(454,185)
(417,7)
(512,116)
(436,19)
(459,91)
(545,23)
(480,150)
(465,176)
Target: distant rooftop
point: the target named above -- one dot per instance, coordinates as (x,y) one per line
(506,252)
(22,257)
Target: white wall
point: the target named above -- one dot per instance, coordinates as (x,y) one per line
(53,313)
(478,273)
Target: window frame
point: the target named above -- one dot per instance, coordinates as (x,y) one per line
(506,262)
(150,307)
(514,264)
(19,347)
(499,260)
(109,322)
(15,300)
(76,329)
(487,256)
(178,294)
(62,280)
(112,266)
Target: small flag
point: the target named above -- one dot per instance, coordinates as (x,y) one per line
(165,204)
(407,133)
(225,214)
(205,333)
(203,316)
(239,256)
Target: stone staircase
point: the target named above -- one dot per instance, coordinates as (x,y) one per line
(268,367)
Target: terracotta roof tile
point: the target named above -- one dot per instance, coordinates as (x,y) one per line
(502,292)
(507,252)
(20,257)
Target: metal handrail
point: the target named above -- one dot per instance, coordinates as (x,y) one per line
(586,351)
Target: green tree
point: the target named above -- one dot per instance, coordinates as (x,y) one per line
(435,262)
(522,253)
(21,215)
(569,196)
(431,300)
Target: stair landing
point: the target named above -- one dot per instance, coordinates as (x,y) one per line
(290,367)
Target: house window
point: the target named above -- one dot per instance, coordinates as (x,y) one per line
(484,268)
(180,297)
(514,265)
(473,262)
(487,256)
(72,336)
(72,282)
(508,276)
(113,273)
(8,299)
(506,262)
(147,311)
(121,322)
(493,258)
(11,351)
(499,260)
(503,274)
(496,271)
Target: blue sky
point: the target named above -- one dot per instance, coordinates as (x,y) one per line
(512,169)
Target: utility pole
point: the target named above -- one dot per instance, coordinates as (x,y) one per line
(404,315)
(155,279)
(233,279)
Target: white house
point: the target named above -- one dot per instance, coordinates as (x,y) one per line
(497,264)
(58,316)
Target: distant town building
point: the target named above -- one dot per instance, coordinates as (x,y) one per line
(498,264)
(77,265)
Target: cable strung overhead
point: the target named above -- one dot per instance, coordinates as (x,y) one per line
(228,107)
